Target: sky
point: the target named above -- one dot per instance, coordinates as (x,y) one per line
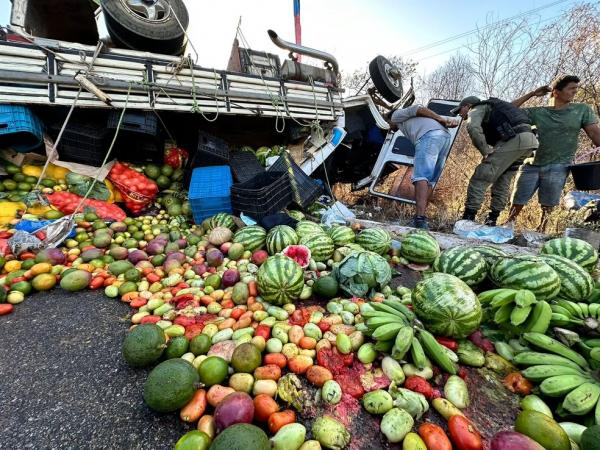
(354,31)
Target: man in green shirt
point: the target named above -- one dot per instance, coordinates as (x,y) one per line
(558,126)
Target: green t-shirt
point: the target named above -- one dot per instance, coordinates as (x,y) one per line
(558,131)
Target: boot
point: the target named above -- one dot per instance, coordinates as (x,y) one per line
(492,218)
(469,214)
(421,222)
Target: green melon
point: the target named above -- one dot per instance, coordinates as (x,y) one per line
(320,245)
(280,280)
(143,345)
(446,305)
(241,436)
(375,240)
(577,250)
(252,237)
(420,247)
(526,272)
(576,284)
(170,385)
(306,227)
(280,237)
(464,263)
(342,235)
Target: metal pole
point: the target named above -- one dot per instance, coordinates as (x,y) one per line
(297,26)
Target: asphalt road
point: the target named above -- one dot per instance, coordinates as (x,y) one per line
(63,383)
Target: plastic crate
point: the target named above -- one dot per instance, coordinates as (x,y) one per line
(210,191)
(139,122)
(142,150)
(20,129)
(211,151)
(81,143)
(244,166)
(264,194)
(305,190)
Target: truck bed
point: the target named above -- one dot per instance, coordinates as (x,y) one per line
(41,71)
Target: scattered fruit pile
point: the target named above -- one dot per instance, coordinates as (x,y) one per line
(235,322)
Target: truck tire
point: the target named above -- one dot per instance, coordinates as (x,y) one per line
(147,25)
(389,87)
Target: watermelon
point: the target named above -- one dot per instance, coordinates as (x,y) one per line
(306,227)
(576,284)
(252,237)
(342,235)
(280,280)
(489,253)
(374,240)
(526,272)
(296,215)
(446,305)
(320,245)
(280,237)
(577,250)
(220,220)
(420,247)
(464,263)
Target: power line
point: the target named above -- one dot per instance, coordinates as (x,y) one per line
(465,45)
(491,25)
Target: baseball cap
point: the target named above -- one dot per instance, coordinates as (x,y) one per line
(470,100)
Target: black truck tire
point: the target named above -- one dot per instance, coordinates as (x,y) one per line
(136,25)
(389,88)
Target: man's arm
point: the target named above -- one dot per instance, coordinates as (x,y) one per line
(593,132)
(475,130)
(539,92)
(444,121)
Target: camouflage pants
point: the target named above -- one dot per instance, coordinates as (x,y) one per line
(498,170)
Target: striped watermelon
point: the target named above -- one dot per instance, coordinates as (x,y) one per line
(280,237)
(526,272)
(280,280)
(446,306)
(354,247)
(464,263)
(220,220)
(306,227)
(342,235)
(489,253)
(375,240)
(420,247)
(576,284)
(577,250)
(252,237)
(320,245)
(295,214)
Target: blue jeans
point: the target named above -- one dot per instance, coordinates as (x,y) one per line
(548,181)
(431,151)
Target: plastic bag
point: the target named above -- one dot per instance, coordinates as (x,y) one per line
(79,184)
(338,213)
(137,190)
(578,199)
(66,202)
(473,230)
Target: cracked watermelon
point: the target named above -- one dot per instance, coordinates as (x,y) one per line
(280,280)
(447,306)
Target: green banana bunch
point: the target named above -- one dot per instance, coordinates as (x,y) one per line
(562,372)
(517,308)
(568,314)
(392,325)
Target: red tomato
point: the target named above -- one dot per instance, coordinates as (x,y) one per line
(264,331)
(463,433)
(6,308)
(434,437)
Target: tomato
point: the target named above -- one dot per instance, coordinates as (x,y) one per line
(418,384)
(463,433)
(434,437)
(264,331)
(6,308)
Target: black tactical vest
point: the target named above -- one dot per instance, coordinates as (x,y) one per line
(504,121)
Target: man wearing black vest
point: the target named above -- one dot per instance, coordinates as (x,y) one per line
(502,133)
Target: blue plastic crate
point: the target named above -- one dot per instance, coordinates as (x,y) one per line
(210,191)
(20,129)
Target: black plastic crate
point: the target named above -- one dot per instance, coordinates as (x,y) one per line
(139,151)
(81,143)
(264,194)
(211,151)
(245,166)
(138,122)
(304,189)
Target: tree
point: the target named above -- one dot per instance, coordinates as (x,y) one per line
(453,80)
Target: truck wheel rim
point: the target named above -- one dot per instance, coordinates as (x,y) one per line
(388,69)
(149,10)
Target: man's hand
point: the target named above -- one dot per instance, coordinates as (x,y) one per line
(541,91)
(449,122)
